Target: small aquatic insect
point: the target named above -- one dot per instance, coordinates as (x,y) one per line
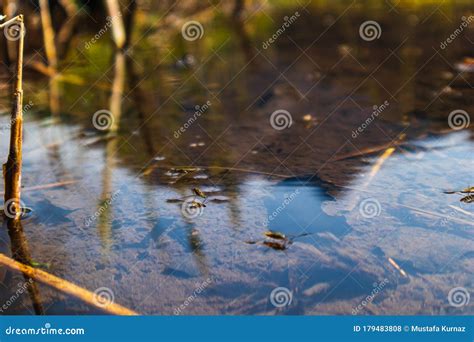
(197,204)
(185,169)
(36,264)
(282,242)
(199,193)
(275,245)
(468,190)
(275,235)
(468,199)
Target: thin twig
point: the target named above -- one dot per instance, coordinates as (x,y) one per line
(47,186)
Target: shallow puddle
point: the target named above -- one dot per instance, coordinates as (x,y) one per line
(362,209)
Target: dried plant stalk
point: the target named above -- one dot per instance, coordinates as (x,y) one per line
(48,34)
(118,28)
(12,168)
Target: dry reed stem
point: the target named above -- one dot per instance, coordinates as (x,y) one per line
(65,287)
(118,28)
(48,34)
(12,168)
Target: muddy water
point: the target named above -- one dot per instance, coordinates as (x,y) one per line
(349,215)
